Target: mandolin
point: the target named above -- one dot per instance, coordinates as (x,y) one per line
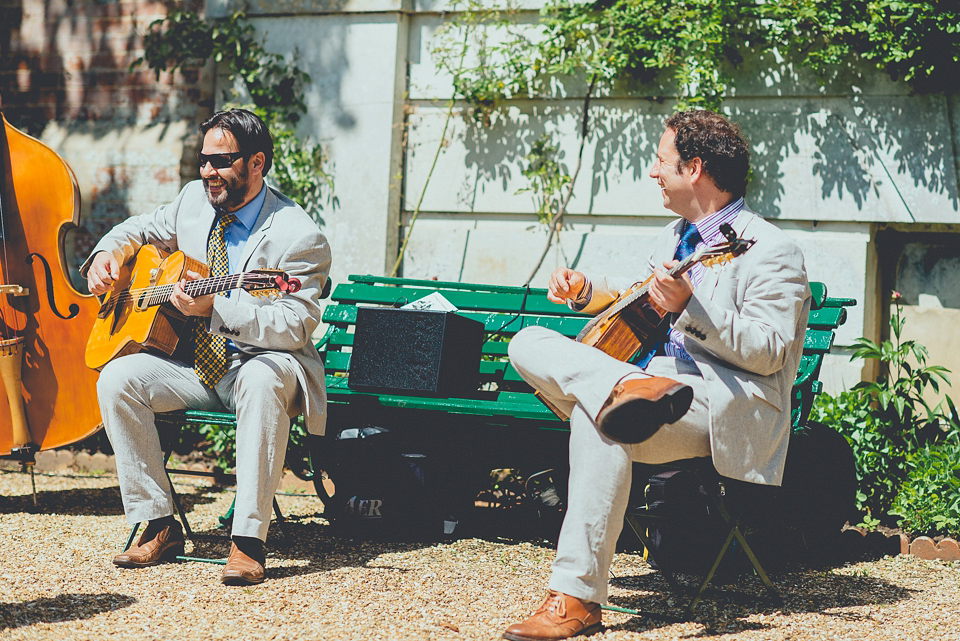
(136,315)
(633,325)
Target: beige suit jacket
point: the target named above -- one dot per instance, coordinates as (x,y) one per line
(744,327)
(283,237)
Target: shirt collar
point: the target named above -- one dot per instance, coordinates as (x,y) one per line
(248,214)
(709,227)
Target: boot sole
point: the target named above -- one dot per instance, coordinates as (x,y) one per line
(586,632)
(638,419)
(169,554)
(239,580)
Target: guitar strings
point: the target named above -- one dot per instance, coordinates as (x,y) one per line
(161,293)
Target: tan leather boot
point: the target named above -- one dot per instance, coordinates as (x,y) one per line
(242,569)
(152,548)
(560,617)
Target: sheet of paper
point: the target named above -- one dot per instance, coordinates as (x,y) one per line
(432,302)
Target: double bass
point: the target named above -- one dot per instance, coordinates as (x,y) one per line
(50,397)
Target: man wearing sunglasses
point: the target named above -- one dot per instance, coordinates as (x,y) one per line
(267,369)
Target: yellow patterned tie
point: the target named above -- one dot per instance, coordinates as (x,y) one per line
(210,350)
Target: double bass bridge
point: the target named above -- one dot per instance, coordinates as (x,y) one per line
(14,290)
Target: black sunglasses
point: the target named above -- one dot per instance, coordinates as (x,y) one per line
(218,161)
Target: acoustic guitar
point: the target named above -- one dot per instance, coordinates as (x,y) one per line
(633,324)
(136,314)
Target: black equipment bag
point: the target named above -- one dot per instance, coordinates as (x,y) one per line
(380,491)
(688,533)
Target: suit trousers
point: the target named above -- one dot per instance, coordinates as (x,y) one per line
(579,378)
(263,392)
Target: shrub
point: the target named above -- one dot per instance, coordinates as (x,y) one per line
(896,435)
(929,501)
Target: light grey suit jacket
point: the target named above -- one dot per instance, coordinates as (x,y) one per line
(744,327)
(283,237)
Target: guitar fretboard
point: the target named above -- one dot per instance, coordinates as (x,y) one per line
(160,294)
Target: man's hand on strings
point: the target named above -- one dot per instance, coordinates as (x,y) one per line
(565,284)
(189,306)
(102,274)
(668,292)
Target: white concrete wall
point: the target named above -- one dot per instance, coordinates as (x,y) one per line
(832,160)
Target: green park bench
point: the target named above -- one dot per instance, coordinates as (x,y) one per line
(502,397)
(500,423)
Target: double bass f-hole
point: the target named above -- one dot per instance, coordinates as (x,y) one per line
(48,276)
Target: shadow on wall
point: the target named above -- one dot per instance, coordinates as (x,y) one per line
(621,142)
(859,142)
(109,205)
(317,46)
(850,157)
(83,73)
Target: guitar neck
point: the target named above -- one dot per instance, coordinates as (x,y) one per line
(200,287)
(213,285)
(684,265)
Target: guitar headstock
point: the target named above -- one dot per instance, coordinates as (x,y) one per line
(724,252)
(269,282)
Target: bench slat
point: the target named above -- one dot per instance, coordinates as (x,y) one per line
(827,317)
(533,303)
(510,405)
(505,323)
(818,340)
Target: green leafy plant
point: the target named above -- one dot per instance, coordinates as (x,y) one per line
(914,41)
(898,394)
(687,50)
(220,444)
(184,39)
(693,45)
(880,460)
(929,501)
(891,427)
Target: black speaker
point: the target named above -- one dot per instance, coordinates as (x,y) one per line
(417,352)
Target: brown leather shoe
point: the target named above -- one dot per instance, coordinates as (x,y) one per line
(242,569)
(560,617)
(638,407)
(153,548)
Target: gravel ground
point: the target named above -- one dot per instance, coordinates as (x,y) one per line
(57,582)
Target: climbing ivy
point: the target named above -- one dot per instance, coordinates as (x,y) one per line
(687,50)
(691,47)
(274,86)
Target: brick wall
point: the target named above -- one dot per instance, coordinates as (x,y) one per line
(69,61)
(128,135)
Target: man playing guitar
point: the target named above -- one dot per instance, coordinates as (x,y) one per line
(254,356)
(718,385)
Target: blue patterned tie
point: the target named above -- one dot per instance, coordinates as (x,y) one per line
(210,350)
(688,242)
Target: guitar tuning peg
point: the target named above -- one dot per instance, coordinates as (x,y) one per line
(281,284)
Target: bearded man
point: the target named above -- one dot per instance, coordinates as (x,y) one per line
(250,355)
